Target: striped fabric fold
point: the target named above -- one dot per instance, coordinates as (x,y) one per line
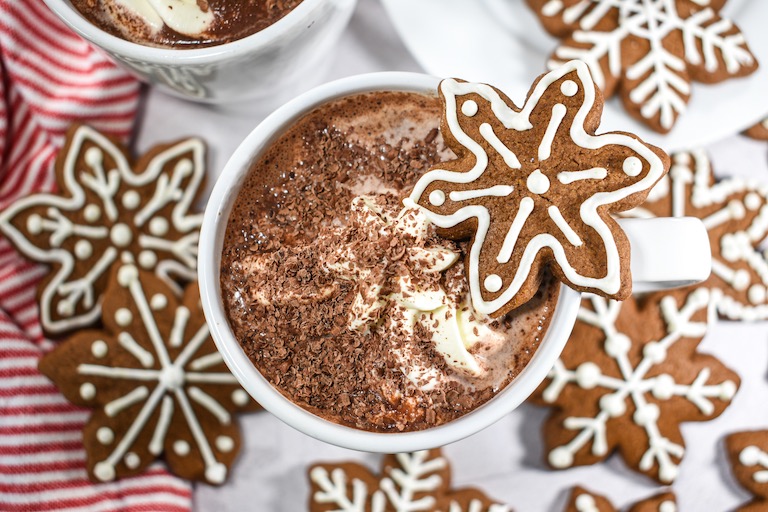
(50,79)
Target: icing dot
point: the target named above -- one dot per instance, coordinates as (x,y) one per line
(181,447)
(127,275)
(239,397)
(560,458)
(552,7)
(88,391)
(655,352)
(663,387)
(158,301)
(586,503)
(93,156)
(614,405)
(750,456)
(469,108)
(147,259)
(668,506)
(131,199)
(668,472)
(632,166)
(727,390)
(123,317)
(172,377)
(587,375)
(92,213)
(736,209)
(158,226)
(752,201)
(104,471)
(105,435)
(569,88)
(757,294)
(132,460)
(184,167)
(83,249)
(617,344)
(99,348)
(35,224)
(741,280)
(121,235)
(437,197)
(646,415)
(493,283)
(225,444)
(65,308)
(216,473)
(537,182)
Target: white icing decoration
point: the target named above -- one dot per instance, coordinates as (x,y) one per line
(173,380)
(132,460)
(537,182)
(158,302)
(493,283)
(469,108)
(87,391)
(632,166)
(437,197)
(667,506)
(158,226)
(633,385)
(83,249)
(105,435)
(131,200)
(181,448)
(90,190)
(183,16)
(147,259)
(225,444)
(754,456)
(99,349)
(123,317)
(569,88)
(557,217)
(239,397)
(663,84)
(512,119)
(586,503)
(558,114)
(495,191)
(689,188)
(568,177)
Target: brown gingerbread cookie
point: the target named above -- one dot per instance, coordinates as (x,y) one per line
(581,500)
(735,213)
(155,381)
(648,52)
(758,131)
(748,452)
(628,377)
(108,209)
(417,482)
(535,187)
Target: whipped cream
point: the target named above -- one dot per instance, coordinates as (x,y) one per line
(183,16)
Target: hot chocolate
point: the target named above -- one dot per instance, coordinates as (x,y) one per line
(348,302)
(183,23)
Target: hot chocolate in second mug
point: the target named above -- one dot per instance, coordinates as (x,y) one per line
(665,253)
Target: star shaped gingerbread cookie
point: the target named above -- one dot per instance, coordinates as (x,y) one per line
(648,51)
(535,187)
(108,210)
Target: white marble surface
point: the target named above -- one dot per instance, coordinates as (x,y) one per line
(505,460)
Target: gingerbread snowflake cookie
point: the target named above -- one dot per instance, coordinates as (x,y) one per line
(735,213)
(416,482)
(648,51)
(582,500)
(107,210)
(155,381)
(758,131)
(535,187)
(629,377)
(748,452)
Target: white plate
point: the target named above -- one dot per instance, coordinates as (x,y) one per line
(502,42)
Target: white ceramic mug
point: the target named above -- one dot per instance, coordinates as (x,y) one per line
(263,64)
(665,253)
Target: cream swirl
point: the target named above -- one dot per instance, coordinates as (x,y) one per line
(183,16)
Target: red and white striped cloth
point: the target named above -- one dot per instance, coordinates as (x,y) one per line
(50,78)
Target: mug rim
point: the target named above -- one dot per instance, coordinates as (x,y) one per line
(175,56)
(214,225)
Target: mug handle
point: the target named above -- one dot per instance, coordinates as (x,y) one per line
(667,252)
